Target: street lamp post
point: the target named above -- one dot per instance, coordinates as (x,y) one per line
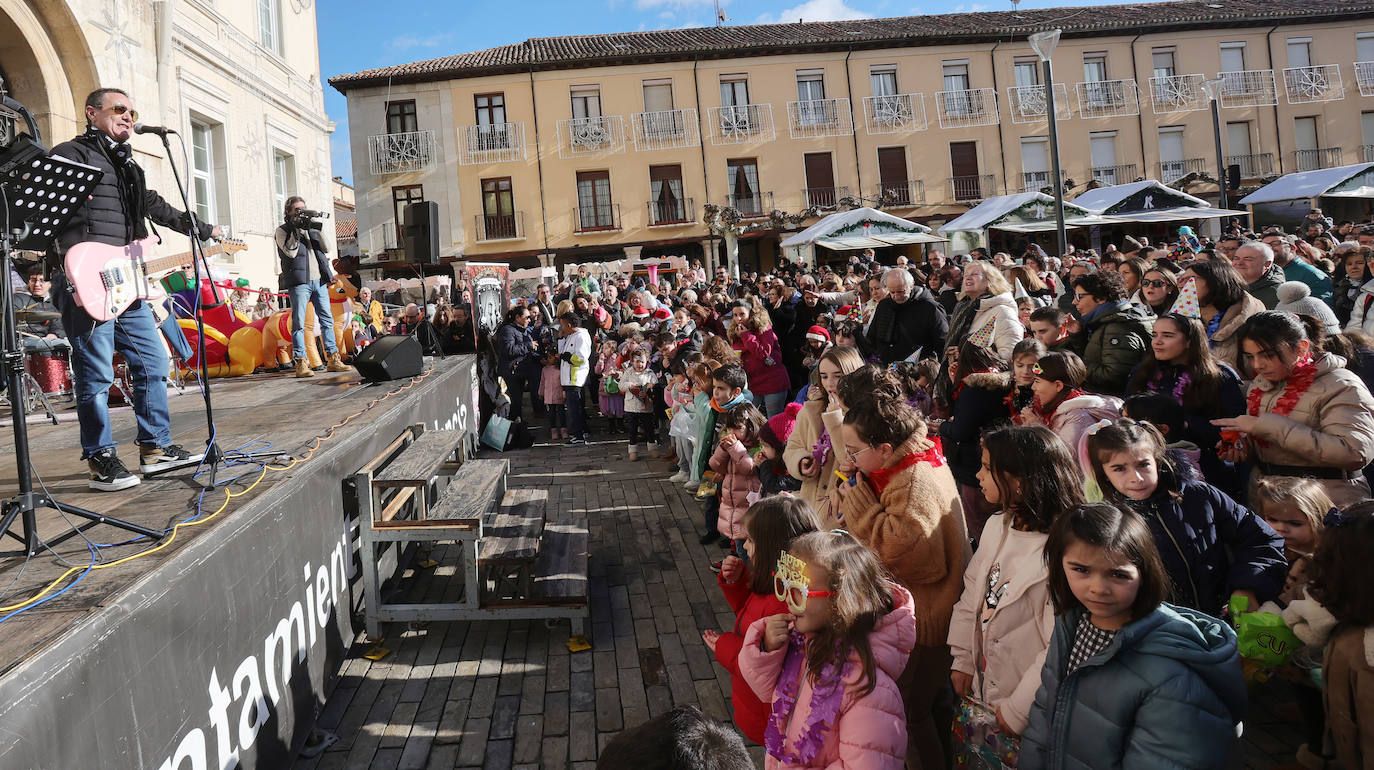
(1044,43)
(1213,89)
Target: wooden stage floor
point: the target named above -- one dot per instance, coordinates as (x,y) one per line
(275,408)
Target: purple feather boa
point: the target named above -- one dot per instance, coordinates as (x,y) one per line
(826,697)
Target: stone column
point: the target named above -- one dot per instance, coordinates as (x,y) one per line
(708,254)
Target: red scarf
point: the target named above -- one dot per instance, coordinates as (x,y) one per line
(934,455)
(1049,416)
(1299,380)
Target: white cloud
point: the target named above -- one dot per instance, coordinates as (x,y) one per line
(816,10)
(970,7)
(403,43)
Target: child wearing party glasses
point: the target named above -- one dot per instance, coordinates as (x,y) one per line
(829,665)
(771,525)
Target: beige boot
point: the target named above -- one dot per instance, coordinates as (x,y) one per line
(335,365)
(303,368)
(634,453)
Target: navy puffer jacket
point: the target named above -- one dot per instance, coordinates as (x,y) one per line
(1211,545)
(1166,693)
(515,351)
(978,408)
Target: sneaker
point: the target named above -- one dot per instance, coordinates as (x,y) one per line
(108,474)
(677,478)
(576,441)
(708,537)
(715,565)
(691,486)
(152,459)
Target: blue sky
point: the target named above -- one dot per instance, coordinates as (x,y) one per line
(359,34)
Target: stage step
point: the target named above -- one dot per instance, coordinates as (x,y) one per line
(472,491)
(421,460)
(511,534)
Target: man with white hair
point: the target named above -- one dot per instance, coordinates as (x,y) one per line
(907,320)
(1254,261)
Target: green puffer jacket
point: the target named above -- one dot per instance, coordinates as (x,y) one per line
(1166,693)
(1115,343)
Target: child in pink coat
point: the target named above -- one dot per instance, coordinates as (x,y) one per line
(737,478)
(832,705)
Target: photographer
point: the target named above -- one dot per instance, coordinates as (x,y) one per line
(305,274)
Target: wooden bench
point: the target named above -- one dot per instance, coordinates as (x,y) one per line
(470,493)
(510,544)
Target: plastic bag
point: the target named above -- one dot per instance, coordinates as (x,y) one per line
(683,425)
(1264,638)
(979,744)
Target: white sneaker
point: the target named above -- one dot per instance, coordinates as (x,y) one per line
(653,449)
(691,486)
(677,478)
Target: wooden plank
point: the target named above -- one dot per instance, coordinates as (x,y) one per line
(560,573)
(475,489)
(394,505)
(511,535)
(386,453)
(419,462)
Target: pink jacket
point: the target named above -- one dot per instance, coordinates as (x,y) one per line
(869,733)
(756,351)
(737,477)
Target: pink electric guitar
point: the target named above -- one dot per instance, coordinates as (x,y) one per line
(108,279)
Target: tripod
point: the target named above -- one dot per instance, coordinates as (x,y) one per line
(24,505)
(214,456)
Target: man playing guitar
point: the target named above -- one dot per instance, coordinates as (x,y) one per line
(114,215)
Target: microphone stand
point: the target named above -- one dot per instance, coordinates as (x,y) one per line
(214,456)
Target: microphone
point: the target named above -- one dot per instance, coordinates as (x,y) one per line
(143,128)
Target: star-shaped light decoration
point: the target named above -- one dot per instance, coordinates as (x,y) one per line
(121,45)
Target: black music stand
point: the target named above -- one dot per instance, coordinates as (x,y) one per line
(40,196)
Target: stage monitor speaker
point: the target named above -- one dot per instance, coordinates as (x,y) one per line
(392,357)
(422,232)
(1233,176)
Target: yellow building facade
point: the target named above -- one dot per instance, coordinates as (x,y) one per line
(565,150)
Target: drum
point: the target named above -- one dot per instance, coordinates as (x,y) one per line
(52,370)
(121,390)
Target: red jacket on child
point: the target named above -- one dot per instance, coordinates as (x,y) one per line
(751,714)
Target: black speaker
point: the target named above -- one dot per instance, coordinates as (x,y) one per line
(390,358)
(1233,176)
(422,232)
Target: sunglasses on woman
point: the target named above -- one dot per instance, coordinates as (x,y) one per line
(1154,283)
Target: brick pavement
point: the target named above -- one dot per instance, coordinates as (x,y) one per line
(503,695)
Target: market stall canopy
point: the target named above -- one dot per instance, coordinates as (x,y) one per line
(1355,181)
(865,228)
(1149,201)
(1021,212)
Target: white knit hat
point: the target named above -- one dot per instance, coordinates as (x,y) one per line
(1296,297)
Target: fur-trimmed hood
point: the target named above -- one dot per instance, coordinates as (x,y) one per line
(989,380)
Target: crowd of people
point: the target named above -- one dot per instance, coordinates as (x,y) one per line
(1018,511)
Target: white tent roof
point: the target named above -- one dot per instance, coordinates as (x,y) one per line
(1312,184)
(1104,198)
(882,225)
(990,210)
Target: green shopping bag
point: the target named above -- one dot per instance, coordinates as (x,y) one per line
(1264,638)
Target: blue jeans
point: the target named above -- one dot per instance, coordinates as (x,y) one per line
(134,334)
(314,292)
(771,404)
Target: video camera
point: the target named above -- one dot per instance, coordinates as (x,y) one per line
(308,219)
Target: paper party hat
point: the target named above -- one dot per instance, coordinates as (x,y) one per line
(1187,304)
(1019,291)
(983,337)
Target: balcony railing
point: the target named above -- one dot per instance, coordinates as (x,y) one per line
(1364,77)
(1177,93)
(895,114)
(751,206)
(824,196)
(972,188)
(492,143)
(1317,83)
(1027,104)
(1255,166)
(896,195)
(595,135)
(1107,99)
(1248,88)
(1367,152)
(604,217)
(1321,157)
(1119,174)
(741,124)
(671,211)
(499,227)
(819,117)
(665,130)
(400,153)
(1034,181)
(1174,170)
(968,107)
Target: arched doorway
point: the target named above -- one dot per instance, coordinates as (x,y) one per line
(47,65)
